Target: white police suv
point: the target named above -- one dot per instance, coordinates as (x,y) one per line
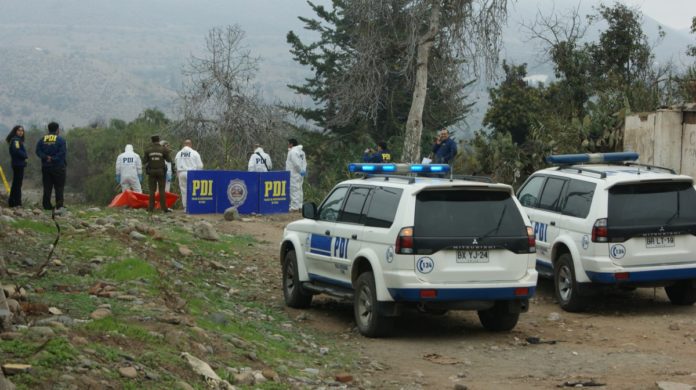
(601,219)
(388,241)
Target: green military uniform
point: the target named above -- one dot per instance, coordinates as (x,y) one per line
(156,169)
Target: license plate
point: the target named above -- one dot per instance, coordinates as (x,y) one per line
(659,242)
(471,256)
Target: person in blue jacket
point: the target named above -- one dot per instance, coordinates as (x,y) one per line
(52,151)
(381,155)
(19,161)
(444,148)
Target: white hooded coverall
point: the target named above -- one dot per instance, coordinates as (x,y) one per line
(186,160)
(297,165)
(129,168)
(256,162)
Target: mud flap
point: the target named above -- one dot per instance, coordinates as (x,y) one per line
(518,306)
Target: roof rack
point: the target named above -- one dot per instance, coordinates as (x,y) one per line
(581,170)
(409,179)
(650,167)
(482,179)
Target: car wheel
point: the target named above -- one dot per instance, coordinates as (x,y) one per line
(295,295)
(566,286)
(365,307)
(682,293)
(498,318)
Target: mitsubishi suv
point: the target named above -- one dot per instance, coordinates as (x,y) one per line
(603,220)
(388,242)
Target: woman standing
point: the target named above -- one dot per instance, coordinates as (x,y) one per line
(19,161)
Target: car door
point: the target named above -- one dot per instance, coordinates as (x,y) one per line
(319,240)
(347,233)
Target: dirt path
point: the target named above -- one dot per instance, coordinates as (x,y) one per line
(627,340)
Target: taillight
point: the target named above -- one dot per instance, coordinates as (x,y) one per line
(531,240)
(404,241)
(600,232)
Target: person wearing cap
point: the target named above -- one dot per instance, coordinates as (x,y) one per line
(155,157)
(52,150)
(129,170)
(297,165)
(186,160)
(260,161)
(381,155)
(169,177)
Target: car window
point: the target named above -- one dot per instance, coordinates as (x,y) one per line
(529,194)
(652,204)
(353,209)
(332,204)
(467,213)
(383,205)
(551,194)
(578,198)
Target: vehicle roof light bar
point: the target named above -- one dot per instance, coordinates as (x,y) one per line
(397,168)
(591,158)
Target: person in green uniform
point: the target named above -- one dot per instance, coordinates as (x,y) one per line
(155,158)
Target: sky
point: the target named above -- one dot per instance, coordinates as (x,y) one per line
(673,13)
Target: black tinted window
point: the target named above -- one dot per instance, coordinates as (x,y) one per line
(467,213)
(529,194)
(654,204)
(352,211)
(383,205)
(578,198)
(551,195)
(332,204)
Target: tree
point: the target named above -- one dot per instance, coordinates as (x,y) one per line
(220,106)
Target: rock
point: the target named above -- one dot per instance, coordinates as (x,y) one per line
(55,311)
(177,265)
(323,351)
(185,251)
(311,371)
(244,378)
(10,335)
(673,386)
(184,386)
(65,320)
(553,316)
(258,377)
(13,306)
(128,372)
(270,375)
(15,368)
(231,214)
(137,236)
(344,378)
(79,340)
(7,219)
(202,368)
(42,331)
(673,326)
(100,313)
(205,231)
(216,265)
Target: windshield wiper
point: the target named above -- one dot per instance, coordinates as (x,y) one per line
(676,213)
(497,227)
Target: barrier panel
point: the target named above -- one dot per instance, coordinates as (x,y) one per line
(211,192)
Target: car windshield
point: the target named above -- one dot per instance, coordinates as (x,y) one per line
(652,204)
(467,213)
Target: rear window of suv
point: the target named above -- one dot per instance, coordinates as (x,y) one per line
(467,213)
(652,204)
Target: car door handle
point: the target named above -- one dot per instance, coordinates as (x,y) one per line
(354,236)
(552,223)
(328,233)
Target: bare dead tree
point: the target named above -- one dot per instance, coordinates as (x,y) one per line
(221,107)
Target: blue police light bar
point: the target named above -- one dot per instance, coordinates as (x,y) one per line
(397,168)
(567,159)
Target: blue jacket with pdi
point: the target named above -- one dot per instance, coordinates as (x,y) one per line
(18,153)
(444,152)
(380,156)
(52,145)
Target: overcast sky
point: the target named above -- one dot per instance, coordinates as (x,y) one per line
(673,13)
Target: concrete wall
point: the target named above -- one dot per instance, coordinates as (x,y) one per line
(666,138)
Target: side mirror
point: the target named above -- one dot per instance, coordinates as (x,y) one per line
(309,210)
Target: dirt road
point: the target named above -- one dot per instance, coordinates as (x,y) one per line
(627,340)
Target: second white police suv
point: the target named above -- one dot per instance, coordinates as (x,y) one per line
(390,242)
(603,220)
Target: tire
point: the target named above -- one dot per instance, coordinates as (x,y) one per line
(682,293)
(295,296)
(365,308)
(498,318)
(566,286)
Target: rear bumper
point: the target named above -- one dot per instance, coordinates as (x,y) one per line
(643,275)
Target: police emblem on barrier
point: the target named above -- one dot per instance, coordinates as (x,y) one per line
(237,192)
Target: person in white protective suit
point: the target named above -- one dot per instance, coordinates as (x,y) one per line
(129,170)
(168,178)
(186,160)
(297,165)
(260,161)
